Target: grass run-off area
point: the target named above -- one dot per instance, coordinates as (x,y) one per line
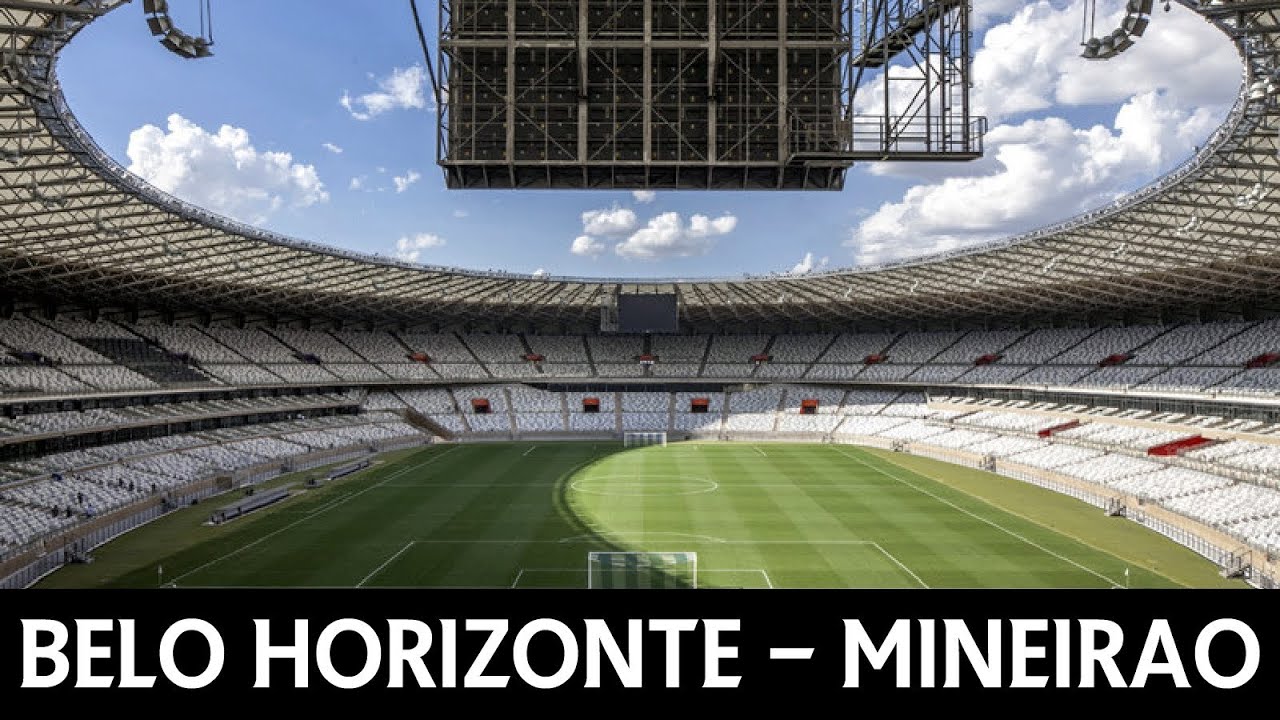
(757,516)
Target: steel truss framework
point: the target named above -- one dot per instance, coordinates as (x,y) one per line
(76,228)
(644,93)
(720,94)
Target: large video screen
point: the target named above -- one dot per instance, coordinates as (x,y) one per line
(648,314)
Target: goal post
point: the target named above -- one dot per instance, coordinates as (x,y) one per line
(642,570)
(644,439)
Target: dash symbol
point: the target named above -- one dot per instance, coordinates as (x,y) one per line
(790,653)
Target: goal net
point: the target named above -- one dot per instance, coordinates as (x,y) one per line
(641,439)
(641,570)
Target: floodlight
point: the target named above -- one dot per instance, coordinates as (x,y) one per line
(1140,7)
(1121,41)
(159,25)
(1135,25)
(152,7)
(1107,47)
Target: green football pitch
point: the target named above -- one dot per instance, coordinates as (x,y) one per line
(525,515)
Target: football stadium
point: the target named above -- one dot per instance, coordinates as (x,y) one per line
(192,401)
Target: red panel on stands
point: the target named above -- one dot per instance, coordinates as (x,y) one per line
(1177,447)
(480,406)
(534,357)
(699,405)
(1117,359)
(761,358)
(874,359)
(1051,431)
(420,357)
(1264,360)
(988,359)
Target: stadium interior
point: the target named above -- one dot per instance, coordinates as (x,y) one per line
(152,353)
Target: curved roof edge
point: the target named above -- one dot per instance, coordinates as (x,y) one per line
(77,224)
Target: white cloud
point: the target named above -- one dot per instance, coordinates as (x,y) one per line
(460,214)
(403,89)
(357,183)
(1165,96)
(409,248)
(403,182)
(809,264)
(587,246)
(615,221)
(540,272)
(1035,173)
(644,196)
(222,171)
(332,148)
(668,236)
(1033,62)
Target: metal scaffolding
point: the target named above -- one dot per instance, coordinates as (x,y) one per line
(685,94)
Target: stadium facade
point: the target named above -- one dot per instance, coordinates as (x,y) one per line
(1124,357)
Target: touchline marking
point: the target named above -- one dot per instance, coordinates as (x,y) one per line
(383,566)
(900,564)
(975,516)
(790,653)
(753,447)
(526,452)
(518,576)
(305,518)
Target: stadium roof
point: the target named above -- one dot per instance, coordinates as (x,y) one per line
(76,226)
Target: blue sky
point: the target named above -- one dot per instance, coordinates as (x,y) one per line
(1067,135)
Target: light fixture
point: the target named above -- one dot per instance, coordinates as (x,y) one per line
(175,40)
(18,73)
(1136,20)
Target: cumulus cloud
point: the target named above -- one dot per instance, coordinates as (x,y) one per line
(409,248)
(667,236)
(1165,96)
(336,150)
(403,89)
(614,221)
(587,246)
(403,182)
(644,196)
(809,264)
(222,171)
(357,183)
(1036,172)
(1032,61)
(540,272)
